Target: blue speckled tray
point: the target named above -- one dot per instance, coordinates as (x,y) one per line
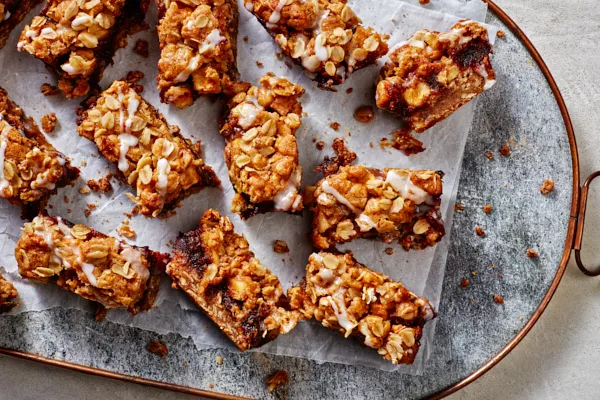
(472,329)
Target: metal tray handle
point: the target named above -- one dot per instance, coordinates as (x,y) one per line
(581,224)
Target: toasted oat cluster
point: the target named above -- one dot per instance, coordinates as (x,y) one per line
(346,296)
(433,74)
(261,152)
(150,154)
(12,13)
(392,204)
(86,262)
(215,267)
(198,42)
(31,169)
(78,38)
(324,36)
(8,295)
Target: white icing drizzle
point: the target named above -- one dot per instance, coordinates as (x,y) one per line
(3,145)
(41,181)
(276,15)
(31,34)
(489,83)
(320,48)
(88,270)
(407,189)
(212,40)
(327,188)
(326,275)
(132,108)
(340,311)
(81,20)
(248,112)
(288,198)
(163,168)
(125,142)
(71,70)
(317,257)
(318,27)
(6,15)
(365,222)
(134,258)
(191,67)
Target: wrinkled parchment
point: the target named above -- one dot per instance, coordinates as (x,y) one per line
(422,272)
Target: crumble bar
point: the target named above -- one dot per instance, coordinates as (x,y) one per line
(31,169)
(151,155)
(88,263)
(77,39)
(346,296)
(324,36)
(215,267)
(198,42)
(8,295)
(392,204)
(433,74)
(12,13)
(261,152)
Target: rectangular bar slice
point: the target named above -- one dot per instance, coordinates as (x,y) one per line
(261,152)
(392,204)
(88,263)
(198,43)
(8,295)
(31,169)
(346,296)
(12,13)
(432,74)
(151,155)
(215,267)
(77,39)
(324,36)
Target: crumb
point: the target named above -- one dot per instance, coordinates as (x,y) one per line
(335,126)
(280,246)
(479,231)
(505,151)
(132,78)
(547,187)
(49,122)
(69,211)
(492,266)
(500,276)
(389,251)
(349,90)
(344,156)
(371,144)
(531,253)
(500,33)
(498,299)
(141,48)
(219,360)
(90,208)
(83,163)
(474,273)
(185,364)
(48,89)
(364,114)
(101,312)
(458,207)
(101,185)
(406,142)
(489,155)
(314,140)
(521,318)
(211,385)
(84,190)
(278,55)
(464,283)
(488,208)
(259,64)
(126,231)
(66,199)
(473,302)
(423,2)
(245,38)
(277,379)
(320,145)
(158,348)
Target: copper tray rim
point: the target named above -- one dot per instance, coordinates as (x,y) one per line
(503,16)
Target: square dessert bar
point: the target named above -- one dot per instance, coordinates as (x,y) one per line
(215,267)
(31,169)
(348,297)
(150,154)
(77,39)
(324,36)
(261,152)
(8,295)
(88,263)
(432,74)
(198,42)
(12,13)
(392,204)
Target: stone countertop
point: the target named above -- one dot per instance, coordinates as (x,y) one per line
(558,359)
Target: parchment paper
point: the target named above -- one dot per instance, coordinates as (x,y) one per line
(422,272)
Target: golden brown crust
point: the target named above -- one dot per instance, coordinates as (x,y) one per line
(8,295)
(324,36)
(151,155)
(346,296)
(261,152)
(198,42)
(216,268)
(86,262)
(392,204)
(78,38)
(31,169)
(433,74)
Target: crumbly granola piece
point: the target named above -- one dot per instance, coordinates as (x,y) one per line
(88,263)
(215,267)
(325,37)
(343,156)
(8,295)
(277,379)
(12,13)
(31,169)
(77,39)
(261,152)
(101,185)
(432,74)
(392,204)
(346,296)
(547,187)
(151,155)
(198,42)
(158,348)
(49,122)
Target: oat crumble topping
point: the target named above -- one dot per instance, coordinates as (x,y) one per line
(8,295)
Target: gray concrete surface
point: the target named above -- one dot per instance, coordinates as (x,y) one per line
(559,358)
